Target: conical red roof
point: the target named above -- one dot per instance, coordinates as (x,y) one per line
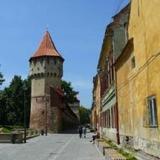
(46,48)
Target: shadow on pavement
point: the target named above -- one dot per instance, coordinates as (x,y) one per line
(72,131)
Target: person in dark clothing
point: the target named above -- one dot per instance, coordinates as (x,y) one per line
(94,136)
(80,131)
(84,131)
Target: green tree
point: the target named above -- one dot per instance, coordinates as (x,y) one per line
(3,114)
(84,114)
(69,93)
(12,102)
(27,84)
(1,78)
(15,114)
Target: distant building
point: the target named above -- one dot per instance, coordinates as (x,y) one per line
(96,105)
(49,111)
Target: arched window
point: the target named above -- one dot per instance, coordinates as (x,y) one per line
(51,74)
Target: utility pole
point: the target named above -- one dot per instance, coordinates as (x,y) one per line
(46,129)
(24,105)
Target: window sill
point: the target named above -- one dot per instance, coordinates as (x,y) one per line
(149,126)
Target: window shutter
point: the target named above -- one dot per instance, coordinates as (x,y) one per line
(155,111)
(146,114)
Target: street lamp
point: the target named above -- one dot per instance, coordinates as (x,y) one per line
(24,105)
(46,124)
(46,114)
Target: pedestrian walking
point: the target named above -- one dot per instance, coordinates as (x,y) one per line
(84,131)
(80,131)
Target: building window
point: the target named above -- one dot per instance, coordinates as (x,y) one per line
(105,116)
(126,32)
(101,118)
(108,119)
(55,61)
(34,62)
(108,66)
(113,76)
(113,117)
(48,60)
(152,111)
(133,62)
(41,61)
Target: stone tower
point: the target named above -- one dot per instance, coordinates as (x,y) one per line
(46,70)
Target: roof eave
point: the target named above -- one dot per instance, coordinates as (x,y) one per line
(36,57)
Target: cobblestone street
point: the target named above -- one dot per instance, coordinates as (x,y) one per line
(52,147)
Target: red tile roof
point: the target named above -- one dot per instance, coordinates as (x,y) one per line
(47,48)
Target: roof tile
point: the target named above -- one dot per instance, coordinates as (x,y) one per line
(46,48)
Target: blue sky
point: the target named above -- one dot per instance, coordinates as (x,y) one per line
(76,26)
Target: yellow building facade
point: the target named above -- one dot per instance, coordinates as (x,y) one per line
(138,79)
(95,114)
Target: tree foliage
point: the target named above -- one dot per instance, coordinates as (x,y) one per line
(17,94)
(69,93)
(1,78)
(84,115)
(12,102)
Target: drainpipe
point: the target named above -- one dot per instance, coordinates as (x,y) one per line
(117,124)
(117,112)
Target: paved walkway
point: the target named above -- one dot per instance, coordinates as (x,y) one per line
(52,147)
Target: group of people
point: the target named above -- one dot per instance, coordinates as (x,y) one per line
(82,131)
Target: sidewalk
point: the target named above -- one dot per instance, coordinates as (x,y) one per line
(81,149)
(52,147)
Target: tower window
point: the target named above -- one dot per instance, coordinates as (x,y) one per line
(55,61)
(34,62)
(55,74)
(48,60)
